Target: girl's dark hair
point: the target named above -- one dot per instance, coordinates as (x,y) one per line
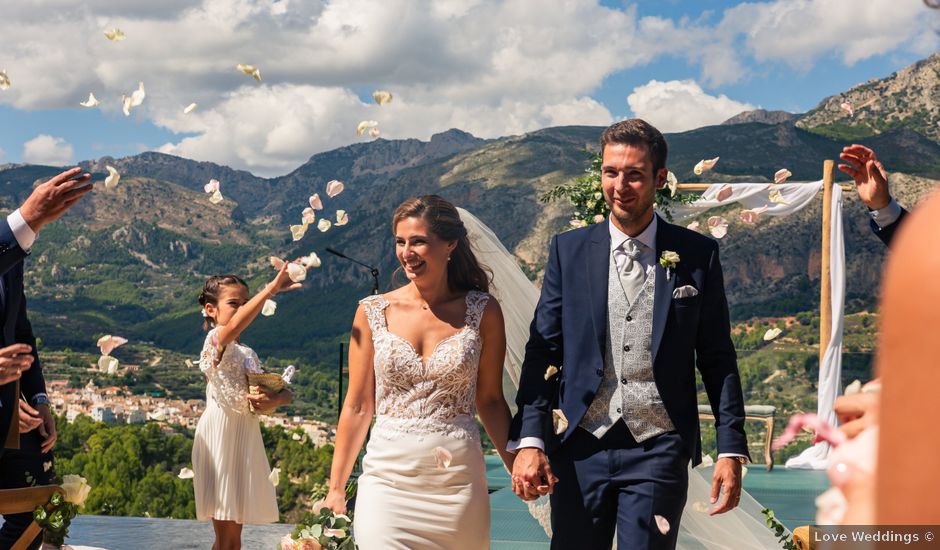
(464,272)
(212,289)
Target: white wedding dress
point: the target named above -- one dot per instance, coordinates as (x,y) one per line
(423,484)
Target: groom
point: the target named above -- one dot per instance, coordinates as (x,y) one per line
(618,422)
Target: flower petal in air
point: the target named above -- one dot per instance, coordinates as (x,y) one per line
(824,431)
(334,187)
(186,473)
(443,457)
(296,272)
(138,95)
(188,363)
(310,261)
(750,216)
(92,101)
(853,388)
(108,364)
(341,218)
(190,108)
(4,81)
(551,371)
(308,216)
(270,306)
(662,524)
(126,105)
(315,202)
(216,197)
(559,421)
(382,96)
(374,133)
(717,226)
(724,192)
(108,342)
(115,35)
(705,165)
(847,107)
(672,183)
(275,476)
(46,466)
(772,333)
(250,70)
(298,231)
(694,225)
(324,225)
(781,175)
(776,196)
(276,262)
(212,186)
(365,125)
(296,437)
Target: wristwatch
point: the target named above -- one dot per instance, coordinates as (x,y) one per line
(41,399)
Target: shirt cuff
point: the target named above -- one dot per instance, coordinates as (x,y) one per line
(525,443)
(734,455)
(24,234)
(886,216)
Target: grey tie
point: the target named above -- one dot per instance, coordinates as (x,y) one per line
(632,272)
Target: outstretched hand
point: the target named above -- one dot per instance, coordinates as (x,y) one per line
(282,281)
(51,199)
(871,179)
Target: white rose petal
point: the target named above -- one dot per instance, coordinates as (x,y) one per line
(374,133)
(662,524)
(298,231)
(552,370)
(311,261)
(138,95)
(276,262)
(743,471)
(443,457)
(190,108)
(750,216)
(212,186)
(365,125)
(324,225)
(296,437)
(717,226)
(382,96)
(315,202)
(92,101)
(341,218)
(108,342)
(772,333)
(559,421)
(270,306)
(334,187)
(724,192)
(308,216)
(776,196)
(694,226)
(847,107)
(705,165)
(126,105)
(216,197)
(830,507)
(853,388)
(296,272)
(4,81)
(188,363)
(46,466)
(250,70)
(108,364)
(115,35)
(113,177)
(186,473)
(781,175)
(672,183)
(275,476)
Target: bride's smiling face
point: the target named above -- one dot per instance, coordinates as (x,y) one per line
(421,253)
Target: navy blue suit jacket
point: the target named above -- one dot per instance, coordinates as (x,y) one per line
(886,234)
(570,326)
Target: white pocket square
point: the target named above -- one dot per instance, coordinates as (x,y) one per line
(686,291)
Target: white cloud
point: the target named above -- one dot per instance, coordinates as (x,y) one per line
(46,149)
(679,105)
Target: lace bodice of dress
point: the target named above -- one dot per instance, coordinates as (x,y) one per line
(432,396)
(228,383)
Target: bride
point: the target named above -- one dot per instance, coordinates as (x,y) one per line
(424,359)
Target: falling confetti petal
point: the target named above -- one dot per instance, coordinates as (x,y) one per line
(108,364)
(824,431)
(4,81)
(308,216)
(216,197)
(374,133)
(724,192)
(776,196)
(190,108)
(250,70)
(189,363)
(853,388)
(212,186)
(694,226)
(341,218)
(559,421)
(700,506)
(672,183)
(382,96)
(662,524)
(115,35)
(847,107)
(743,471)
(296,437)
(781,175)
(311,261)
(275,476)
(324,225)
(270,306)
(92,101)
(107,343)
(333,188)
(126,105)
(772,333)
(443,457)
(705,165)
(365,125)
(298,231)
(315,202)
(717,226)
(551,371)
(296,272)
(276,262)
(138,95)
(46,466)
(186,473)
(750,216)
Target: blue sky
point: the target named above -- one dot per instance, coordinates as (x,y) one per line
(492,67)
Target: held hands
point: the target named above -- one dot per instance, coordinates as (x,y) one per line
(727,477)
(532,475)
(51,199)
(871,179)
(13,361)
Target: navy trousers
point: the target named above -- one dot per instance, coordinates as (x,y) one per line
(615,483)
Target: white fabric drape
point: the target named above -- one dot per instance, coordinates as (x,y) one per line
(797,196)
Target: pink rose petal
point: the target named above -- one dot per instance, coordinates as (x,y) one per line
(824,431)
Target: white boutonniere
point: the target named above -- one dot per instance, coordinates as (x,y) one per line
(669,259)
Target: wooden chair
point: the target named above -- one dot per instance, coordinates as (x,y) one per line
(18,501)
(759,413)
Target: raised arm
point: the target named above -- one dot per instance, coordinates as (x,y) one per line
(490,401)
(247,313)
(356,415)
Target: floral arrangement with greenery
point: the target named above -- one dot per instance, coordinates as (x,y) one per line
(56,516)
(327,530)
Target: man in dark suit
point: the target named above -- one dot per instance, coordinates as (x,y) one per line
(871,183)
(627,309)
(25,417)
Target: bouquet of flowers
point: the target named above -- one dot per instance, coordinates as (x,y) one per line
(327,530)
(56,516)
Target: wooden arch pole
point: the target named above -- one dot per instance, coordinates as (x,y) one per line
(825,281)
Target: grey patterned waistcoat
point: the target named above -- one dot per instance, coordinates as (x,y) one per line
(628,390)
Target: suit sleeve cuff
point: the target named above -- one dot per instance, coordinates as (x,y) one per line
(884,217)
(525,442)
(734,455)
(24,234)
